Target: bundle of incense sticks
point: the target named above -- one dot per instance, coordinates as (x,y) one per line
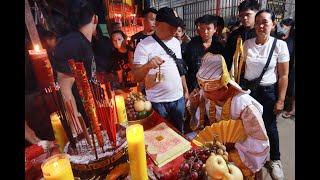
(80,118)
(87,98)
(105,109)
(81,93)
(62,113)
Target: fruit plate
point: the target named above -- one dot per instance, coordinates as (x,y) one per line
(141,121)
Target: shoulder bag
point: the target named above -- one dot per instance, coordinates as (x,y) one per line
(181,65)
(254,83)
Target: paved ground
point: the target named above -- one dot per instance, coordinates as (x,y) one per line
(286,128)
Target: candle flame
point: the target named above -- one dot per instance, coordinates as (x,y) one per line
(55,164)
(134,130)
(37,48)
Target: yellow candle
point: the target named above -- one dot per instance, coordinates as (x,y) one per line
(137,152)
(121,109)
(59,133)
(57,167)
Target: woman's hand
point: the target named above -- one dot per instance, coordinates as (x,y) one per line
(195,98)
(278,107)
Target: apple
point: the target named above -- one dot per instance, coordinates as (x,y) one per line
(233,174)
(216,166)
(142,114)
(147,106)
(138,105)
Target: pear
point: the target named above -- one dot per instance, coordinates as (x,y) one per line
(233,174)
(147,106)
(138,106)
(216,166)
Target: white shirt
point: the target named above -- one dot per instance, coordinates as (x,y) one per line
(171,88)
(256,57)
(253,152)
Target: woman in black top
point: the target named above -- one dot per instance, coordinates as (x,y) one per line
(120,58)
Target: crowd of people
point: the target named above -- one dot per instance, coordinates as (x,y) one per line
(208,58)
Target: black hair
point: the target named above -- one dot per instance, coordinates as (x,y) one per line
(220,21)
(289,22)
(183,27)
(120,32)
(197,21)
(209,19)
(81,13)
(273,17)
(114,25)
(234,22)
(146,11)
(249,5)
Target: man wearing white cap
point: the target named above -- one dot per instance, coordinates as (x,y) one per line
(223,99)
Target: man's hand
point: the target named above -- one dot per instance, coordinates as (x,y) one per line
(155,62)
(195,98)
(139,72)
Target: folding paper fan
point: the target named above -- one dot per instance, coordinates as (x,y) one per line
(228,131)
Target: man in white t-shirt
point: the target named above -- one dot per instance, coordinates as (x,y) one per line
(166,96)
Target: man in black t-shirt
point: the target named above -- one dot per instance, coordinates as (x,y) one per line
(247,11)
(149,26)
(200,45)
(76,45)
(149,21)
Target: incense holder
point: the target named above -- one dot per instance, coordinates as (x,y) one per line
(85,164)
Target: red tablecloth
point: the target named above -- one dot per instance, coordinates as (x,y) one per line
(168,171)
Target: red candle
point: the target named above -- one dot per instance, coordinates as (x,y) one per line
(42,67)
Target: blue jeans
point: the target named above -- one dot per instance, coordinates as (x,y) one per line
(172,111)
(267,97)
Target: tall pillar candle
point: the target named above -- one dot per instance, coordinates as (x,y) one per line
(121,109)
(57,167)
(43,72)
(137,152)
(42,67)
(58,130)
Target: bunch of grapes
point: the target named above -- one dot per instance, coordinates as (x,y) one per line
(131,113)
(129,102)
(192,167)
